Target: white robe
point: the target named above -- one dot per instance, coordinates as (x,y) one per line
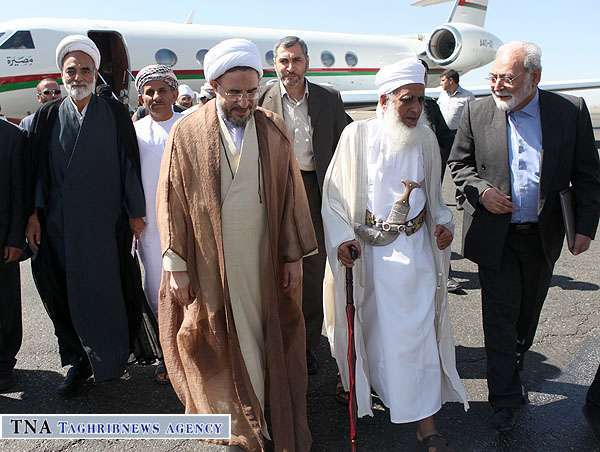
(152,137)
(403,336)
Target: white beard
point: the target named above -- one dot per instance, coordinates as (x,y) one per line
(80,92)
(395,135)
(515,98)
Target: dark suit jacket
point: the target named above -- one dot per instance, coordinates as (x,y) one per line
(327,117)
(445,136)
(479,159)
(12,186)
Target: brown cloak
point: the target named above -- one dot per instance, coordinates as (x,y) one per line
(200,343)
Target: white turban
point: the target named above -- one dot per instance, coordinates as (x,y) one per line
(229,54)
(77,43)
(185,90)
(404,72)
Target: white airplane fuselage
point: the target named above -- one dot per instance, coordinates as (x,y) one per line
(346,61)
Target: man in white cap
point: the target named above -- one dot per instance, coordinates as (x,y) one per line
(235,224)
(185,99)
(85,199)
(382,196)
(157,88)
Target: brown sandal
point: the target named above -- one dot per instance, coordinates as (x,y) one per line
(160,374)
(434,443)
(342,396)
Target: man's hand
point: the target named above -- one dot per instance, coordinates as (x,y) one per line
(291,276)
(443,236)
(343,253)
(12,254)
(179,285)
(582,243)
(137,226)
(33,232)
(495,201)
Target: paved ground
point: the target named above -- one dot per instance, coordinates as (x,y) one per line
(559,367)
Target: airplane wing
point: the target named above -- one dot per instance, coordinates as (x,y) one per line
(365,98)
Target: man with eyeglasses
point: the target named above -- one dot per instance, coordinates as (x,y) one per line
(235,224)
(513,154)
(46,90)
(315,117)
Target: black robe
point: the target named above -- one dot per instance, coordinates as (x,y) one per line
(85,186)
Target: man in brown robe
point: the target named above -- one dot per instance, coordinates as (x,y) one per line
(235,224)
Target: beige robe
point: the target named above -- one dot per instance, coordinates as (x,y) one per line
(201,342)
(244,215)
(344,204)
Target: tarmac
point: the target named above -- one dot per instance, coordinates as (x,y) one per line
(558,370)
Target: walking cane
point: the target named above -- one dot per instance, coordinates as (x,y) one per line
(351,350)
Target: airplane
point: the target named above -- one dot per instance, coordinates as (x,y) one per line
(347,62)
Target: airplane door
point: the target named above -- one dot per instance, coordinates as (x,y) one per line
(114,64)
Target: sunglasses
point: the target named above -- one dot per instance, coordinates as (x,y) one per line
(48,92)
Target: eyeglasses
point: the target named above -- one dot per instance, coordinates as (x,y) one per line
(237,97)
(48,92)
(504,78)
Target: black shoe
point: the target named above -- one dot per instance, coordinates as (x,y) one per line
(7,381)
(312,364)
(453,285)
(74,380)
(591,412)
(505,419)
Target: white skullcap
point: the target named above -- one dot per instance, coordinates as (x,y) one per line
(404,72)
(229,54)
(185,90)
(77,43)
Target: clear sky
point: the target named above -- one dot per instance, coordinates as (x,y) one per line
(567,31)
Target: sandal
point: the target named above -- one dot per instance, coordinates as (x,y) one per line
(342,396)
(434,443)
(160,374)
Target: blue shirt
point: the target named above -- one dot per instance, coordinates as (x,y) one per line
(525,156)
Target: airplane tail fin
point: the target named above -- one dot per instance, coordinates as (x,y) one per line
(464,11)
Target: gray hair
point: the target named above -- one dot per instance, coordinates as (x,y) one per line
(290,41)
(532,53)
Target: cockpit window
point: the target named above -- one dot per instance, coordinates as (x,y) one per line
(19,40)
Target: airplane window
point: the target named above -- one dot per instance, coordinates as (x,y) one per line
(200,54)
(20,40)
(165,56)
(351,59)
(327,58)
(269,58)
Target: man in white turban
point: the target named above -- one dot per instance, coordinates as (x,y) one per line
(85,200)
(235,224)
(185,98)
(382,196)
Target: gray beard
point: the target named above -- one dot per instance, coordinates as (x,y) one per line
(80,92)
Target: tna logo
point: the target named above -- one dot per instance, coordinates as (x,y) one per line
(30,427)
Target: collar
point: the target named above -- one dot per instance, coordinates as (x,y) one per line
(284,92)
(80,115)
(532,109)
(458,91)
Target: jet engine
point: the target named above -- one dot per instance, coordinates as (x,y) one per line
(462,47)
